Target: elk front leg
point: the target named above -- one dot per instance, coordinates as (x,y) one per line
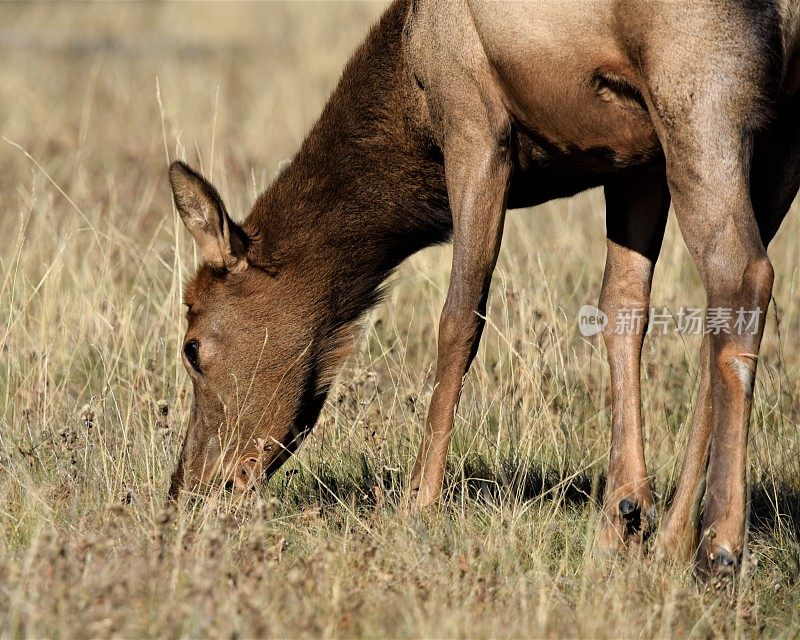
(636,215)
(477,171)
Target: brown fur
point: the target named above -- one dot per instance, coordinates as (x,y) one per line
(451,112)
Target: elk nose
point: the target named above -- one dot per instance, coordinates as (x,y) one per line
(229,485)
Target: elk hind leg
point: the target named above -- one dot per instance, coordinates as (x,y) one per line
(636,214)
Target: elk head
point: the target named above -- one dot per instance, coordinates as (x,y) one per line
(257,347)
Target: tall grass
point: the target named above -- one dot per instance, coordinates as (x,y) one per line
(94,101)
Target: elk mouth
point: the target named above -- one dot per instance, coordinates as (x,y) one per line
(238,477)
(269,458)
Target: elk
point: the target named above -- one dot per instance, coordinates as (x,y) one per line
(450,113)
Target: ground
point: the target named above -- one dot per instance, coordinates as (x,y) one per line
(95,100)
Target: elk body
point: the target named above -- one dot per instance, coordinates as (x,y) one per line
(452,112)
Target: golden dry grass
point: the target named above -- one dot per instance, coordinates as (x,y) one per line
(94,100)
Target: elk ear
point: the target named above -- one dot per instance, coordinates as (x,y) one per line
(222,243)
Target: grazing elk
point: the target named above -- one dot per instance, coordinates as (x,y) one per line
(451,112)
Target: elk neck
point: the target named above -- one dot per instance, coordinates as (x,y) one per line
(367,188)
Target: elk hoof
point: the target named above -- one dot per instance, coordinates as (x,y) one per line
(719,568)
(625,526)
(723,563)
(629,509)
(631,514)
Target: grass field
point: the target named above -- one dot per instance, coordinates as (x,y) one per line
(94,102)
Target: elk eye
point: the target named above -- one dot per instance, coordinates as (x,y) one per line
(192,352)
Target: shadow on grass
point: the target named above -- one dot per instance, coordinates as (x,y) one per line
(773,505)
(359,484)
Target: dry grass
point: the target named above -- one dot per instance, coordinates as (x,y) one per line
(93,398)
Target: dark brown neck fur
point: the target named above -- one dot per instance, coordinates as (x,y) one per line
(366,189)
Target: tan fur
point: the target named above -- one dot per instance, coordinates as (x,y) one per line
(451,112)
